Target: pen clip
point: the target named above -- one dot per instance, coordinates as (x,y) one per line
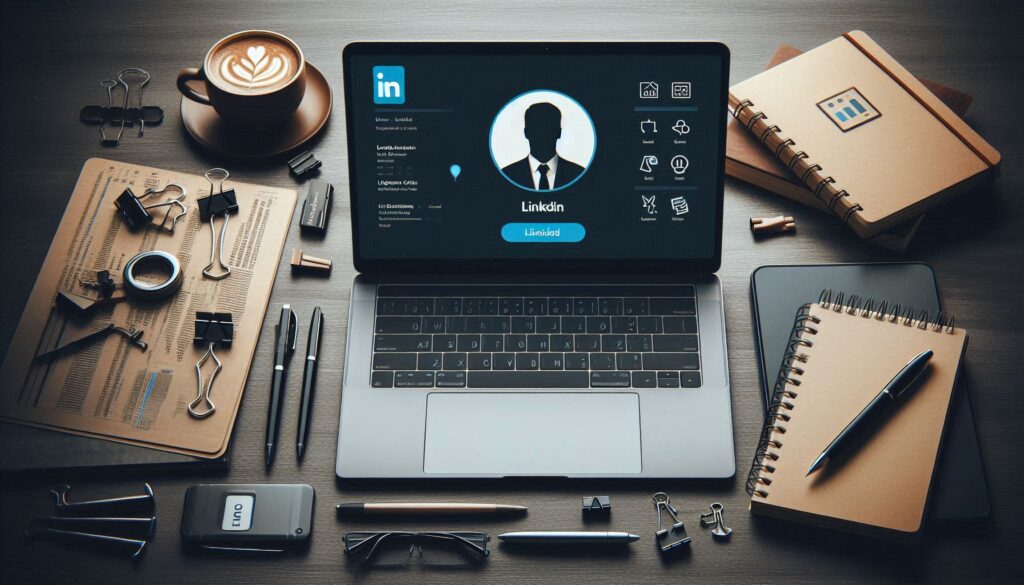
(292,326)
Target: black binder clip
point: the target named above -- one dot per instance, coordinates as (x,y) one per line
(219,203)
(128,113)
(303,163)
(597,506)
(211,329)
(136,215)
(680,539)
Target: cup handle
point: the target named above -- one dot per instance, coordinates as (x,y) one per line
(190,74)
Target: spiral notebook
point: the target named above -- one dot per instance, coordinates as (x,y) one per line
(841,353)
(875,146)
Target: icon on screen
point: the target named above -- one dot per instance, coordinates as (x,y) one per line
(681,127)
(679,205)
(649,205)
(680,90)
(649,90)
(389,84)
(679,164)
(648,127)
(647,164)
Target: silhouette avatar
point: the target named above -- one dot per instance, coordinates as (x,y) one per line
(542,128)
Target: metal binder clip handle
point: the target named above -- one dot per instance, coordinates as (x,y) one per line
(210,329)
(203,391)
(217,203)
(715,518)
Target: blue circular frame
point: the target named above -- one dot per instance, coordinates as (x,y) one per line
(490,139)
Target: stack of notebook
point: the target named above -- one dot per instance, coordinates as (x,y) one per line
(854,134)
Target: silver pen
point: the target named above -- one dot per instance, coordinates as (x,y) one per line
(568,537)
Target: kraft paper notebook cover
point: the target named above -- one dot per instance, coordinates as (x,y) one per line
(870,141)
(841,353)
(748,160)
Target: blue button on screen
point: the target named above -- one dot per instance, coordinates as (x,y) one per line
(543,233)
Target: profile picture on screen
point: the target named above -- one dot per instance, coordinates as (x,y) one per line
(542,140)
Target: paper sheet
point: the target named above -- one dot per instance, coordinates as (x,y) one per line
(111,389)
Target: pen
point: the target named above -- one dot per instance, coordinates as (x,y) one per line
(309,382)
(899,384)
(283,349)
(561,537)
(425,509)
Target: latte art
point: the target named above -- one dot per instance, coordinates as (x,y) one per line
(257,68)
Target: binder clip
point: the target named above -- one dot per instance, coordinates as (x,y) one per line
(127,114)
(219,203)
(136,215)
(133,336)
(211,329)
(714,518)
(597,506)
(303,163)
(772,225)
(678,531)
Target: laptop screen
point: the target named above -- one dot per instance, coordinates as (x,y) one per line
(536,157)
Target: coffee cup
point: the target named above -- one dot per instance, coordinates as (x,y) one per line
(253,78)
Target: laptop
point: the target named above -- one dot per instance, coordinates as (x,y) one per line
(536,227)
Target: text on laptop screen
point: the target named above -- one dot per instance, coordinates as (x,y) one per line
(534,156)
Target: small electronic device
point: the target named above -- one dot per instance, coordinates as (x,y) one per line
(248,518)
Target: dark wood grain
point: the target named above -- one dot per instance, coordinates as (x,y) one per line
(55,53)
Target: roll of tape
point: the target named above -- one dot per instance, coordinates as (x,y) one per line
(153,290)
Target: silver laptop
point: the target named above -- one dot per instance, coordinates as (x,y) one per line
(536,227)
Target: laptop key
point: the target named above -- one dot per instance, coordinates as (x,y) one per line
(613,343)
(628,361)
(623,324)
(524,325)
(469,343)
(429,361)
(609,379)
(492,343)
(489,306)
(635,306)
(398,324)
(480,361)
(515,342)
(645,380)
(675,343)
(472,306)
(648,324)
(588,343)
(551,361)
(609,306)
(671,361)
(641,343)
(455,361)
(539,379)
(668,379)
(574,324)
(414,379)
(504,361)
(445,343)
(510,306)
(561,343)
(434,324)
(537,343)
(449,306)
(670,306)
(500,325)
(414,306)
(602,361)
(577,361)
(394,361)
(548,325)
(535,306)
(527,361)
(680,324)
(401,343)
(451,379)
(560,306)
(382,379)
(599,325)
(689,379)
(585,306)
(456,325)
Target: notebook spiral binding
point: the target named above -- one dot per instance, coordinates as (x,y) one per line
(784,393)
(811,175)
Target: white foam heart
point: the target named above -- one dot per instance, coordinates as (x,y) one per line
(256,53)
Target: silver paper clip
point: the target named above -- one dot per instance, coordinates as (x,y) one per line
(219,203)
(211,329)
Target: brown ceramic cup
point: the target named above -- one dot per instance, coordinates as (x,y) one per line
(253,78)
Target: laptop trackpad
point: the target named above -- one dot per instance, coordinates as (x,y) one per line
(532,433)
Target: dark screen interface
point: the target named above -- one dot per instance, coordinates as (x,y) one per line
(487,156)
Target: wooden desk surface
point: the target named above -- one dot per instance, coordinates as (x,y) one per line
(55,53)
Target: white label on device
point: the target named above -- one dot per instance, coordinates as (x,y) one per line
(237,513)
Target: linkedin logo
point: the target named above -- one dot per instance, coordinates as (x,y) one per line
(389,84)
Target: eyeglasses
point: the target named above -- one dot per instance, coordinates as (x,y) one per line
(444,548)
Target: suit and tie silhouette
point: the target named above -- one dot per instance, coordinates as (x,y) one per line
(543,128)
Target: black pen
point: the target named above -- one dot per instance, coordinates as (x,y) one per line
(309,382)
(283,349)
(899,384)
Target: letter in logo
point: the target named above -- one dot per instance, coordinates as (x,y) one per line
(389,84)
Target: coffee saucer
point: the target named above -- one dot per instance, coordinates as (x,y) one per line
(205,125)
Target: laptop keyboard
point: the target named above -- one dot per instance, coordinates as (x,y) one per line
(551,336)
